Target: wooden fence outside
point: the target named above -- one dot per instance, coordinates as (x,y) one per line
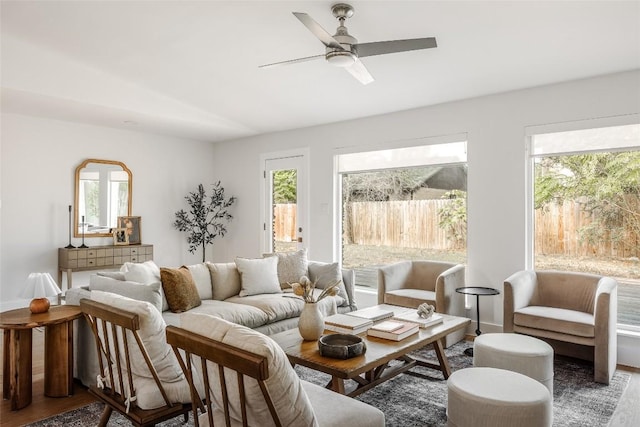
(414,224)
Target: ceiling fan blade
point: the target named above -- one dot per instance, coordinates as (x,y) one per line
(393,46)
(292,61)
(326,38)
(360,72)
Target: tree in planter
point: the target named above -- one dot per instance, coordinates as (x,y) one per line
(206,217)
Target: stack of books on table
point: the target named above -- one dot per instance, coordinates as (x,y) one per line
(375,314)
(394,330)
(346,324)
(411,315)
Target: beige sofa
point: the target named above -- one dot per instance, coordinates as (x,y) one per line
(219,289)
(411,283)
(575,312)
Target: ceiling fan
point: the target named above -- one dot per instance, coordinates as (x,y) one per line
(343,50)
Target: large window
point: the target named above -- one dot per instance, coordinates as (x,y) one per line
(586,200)
(402,204)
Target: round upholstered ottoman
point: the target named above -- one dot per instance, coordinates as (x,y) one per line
(514,352)
(490,397)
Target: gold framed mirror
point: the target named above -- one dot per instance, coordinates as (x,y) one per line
(103,190)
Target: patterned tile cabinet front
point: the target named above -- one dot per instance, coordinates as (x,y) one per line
(98,258)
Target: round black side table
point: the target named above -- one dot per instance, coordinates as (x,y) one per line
(477,291)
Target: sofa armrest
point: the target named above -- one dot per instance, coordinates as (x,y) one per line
(74,295)
(392,277)
(349,280)
(518,291)
(449,301)
(606,322)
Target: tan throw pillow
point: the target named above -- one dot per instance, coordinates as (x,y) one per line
(225,279)
(291,266)
(180,289)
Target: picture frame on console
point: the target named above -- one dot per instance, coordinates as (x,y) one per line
(120,236)
(132,226)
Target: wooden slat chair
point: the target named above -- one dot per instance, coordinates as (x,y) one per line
(244,363)
(114,329)
(250,381)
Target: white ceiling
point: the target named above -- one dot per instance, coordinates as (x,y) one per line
(190,68)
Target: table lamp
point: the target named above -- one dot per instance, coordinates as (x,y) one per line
(39,287)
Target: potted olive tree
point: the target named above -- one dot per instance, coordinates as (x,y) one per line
(206,217)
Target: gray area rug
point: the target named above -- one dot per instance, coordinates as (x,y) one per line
(419,398)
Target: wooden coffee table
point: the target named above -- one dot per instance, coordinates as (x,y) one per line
(58,348)
(372,368)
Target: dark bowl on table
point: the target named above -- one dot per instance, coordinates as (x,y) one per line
(341,346)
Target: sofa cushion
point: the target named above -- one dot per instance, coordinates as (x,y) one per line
(291,266)
(283,385)
(242,314)
(202,279)
(324,275)
(117,275)
(134,290)
(409,297)
(258,276)
(559,320)
(225,279)
(351,412)
(283,306)
(180,289)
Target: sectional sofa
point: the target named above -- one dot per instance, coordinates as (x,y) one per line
(249,292)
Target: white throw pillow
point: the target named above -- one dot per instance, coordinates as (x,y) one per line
(138,291)
(258,276)
(289,398)
(144,272)
(202,279)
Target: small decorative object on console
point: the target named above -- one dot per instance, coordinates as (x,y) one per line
(131,224)
(426,310)
(341,346)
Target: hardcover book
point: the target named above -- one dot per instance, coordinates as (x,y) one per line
(405,331)
(372,313)
(346,324)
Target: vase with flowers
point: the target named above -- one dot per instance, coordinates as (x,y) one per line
(311,322)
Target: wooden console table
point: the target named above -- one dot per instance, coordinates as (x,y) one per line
(99,258)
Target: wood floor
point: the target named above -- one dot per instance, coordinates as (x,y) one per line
(41,407)
(626,415)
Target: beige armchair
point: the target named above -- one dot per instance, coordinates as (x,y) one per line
(574,312)
(411,283)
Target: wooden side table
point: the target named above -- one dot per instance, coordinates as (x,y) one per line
(58,348)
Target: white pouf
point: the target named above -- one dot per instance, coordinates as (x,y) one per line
(514,352)
(490,397)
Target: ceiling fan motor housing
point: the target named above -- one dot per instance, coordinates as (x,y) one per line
(343,58)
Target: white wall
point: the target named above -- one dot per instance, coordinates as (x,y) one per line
(495,126)
(38,161)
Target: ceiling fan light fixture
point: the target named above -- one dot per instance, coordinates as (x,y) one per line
(341,58)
